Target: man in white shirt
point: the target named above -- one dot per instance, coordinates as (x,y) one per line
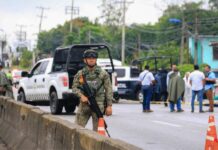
(147,81)
(197,84)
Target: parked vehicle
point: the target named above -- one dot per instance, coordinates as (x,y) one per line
(105,62)
(128,82)
(216,85)
(216,75)
(16,75)
(51,79)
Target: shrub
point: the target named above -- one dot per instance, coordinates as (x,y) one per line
(185,68)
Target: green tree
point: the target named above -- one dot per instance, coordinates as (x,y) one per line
(26,59)
(185,68)
(49,41)
(161,38)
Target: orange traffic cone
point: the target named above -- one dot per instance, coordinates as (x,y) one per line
(215,145)
(211,137)
(101,126)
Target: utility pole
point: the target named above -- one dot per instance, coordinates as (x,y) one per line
(2,43)
(196,40)
(41,16)
(89,36)
(72,11)
(139,43)
(124,9)
(71,17)
(21,34)
(123,33)
(181,51)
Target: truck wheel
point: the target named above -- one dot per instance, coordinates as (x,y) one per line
(21,97)
(69,107)
(56,105)
(116,100)
(139,96)
(116,97)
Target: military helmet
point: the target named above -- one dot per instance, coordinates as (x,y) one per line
(90,53)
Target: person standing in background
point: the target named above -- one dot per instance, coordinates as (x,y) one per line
(210,80)
(188,92)
(5,86)
(174,68)
(176,88)
(197,84)
(147,81)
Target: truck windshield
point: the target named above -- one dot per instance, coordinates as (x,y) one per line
(60,60)
(134,72)
(120,72)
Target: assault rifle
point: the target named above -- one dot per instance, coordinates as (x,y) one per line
(91,101)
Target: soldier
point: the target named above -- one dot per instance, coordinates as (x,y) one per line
(100,85)
(5,86)
(9,76)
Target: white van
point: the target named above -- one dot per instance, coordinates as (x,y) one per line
(128,82)
(105,62)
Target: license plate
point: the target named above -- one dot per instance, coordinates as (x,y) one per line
(121,85)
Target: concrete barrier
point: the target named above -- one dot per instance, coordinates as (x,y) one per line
(25,127)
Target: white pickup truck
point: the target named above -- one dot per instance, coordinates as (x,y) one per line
(51,79)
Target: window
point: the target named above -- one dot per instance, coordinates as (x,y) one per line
(134,72)
(120,72)
(61,56)
(215,52)
(60,60)
(76,54)
(36,69)
(43,67)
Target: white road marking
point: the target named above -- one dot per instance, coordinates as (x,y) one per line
(167,123)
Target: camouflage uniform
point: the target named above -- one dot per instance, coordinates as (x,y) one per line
(4,82)
(103,94)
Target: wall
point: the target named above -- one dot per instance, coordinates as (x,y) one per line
(205,51)
(25,127)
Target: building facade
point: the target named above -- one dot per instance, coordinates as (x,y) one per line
(207,51)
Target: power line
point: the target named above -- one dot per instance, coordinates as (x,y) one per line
(211,18)
(153,29)
(176,36)
(155,32)
(208,23)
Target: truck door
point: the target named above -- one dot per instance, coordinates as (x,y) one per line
(31,89)
(42,82)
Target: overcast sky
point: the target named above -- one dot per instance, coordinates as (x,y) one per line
(25,12)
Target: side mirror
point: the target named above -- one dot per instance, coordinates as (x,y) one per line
(24,74)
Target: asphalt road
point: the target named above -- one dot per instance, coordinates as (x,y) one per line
(159,130)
